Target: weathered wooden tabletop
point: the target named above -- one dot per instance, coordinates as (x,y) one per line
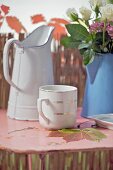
(30,137)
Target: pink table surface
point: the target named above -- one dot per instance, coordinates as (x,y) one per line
(30,137)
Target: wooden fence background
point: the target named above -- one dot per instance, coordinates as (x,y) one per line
(67,64)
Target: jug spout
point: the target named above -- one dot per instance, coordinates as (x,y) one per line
(39,37)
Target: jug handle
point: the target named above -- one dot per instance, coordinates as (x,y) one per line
(6,61)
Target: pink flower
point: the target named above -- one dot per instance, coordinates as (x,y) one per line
(96,27)
(110,30)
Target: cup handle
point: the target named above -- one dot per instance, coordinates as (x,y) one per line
(39,105)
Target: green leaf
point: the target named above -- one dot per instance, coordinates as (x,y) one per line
(69,130)
(83,45)
(74,17)
(97,11)
(77,31)
(111,23)
(88,56)
(109,1)
(70,135)
(82,51)
(94,134)
(68,42)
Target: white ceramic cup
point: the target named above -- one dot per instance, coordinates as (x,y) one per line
(57,105)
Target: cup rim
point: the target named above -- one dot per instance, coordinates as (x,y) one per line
(69,88)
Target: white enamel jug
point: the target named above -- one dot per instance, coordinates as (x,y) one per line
(32,69)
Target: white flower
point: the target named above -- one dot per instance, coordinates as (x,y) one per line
(107,12)
(71,13)
(86,13)
(95,3)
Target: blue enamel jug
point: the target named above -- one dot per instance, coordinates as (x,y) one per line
(98,96)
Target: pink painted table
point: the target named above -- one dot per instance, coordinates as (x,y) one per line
(27,145)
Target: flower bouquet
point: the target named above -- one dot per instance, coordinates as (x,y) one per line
(90,30)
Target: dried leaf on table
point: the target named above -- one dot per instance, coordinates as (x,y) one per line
(70,135)
(93,134)
(55,133)
(73,137)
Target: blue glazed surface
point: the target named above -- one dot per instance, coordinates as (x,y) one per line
(98,97)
